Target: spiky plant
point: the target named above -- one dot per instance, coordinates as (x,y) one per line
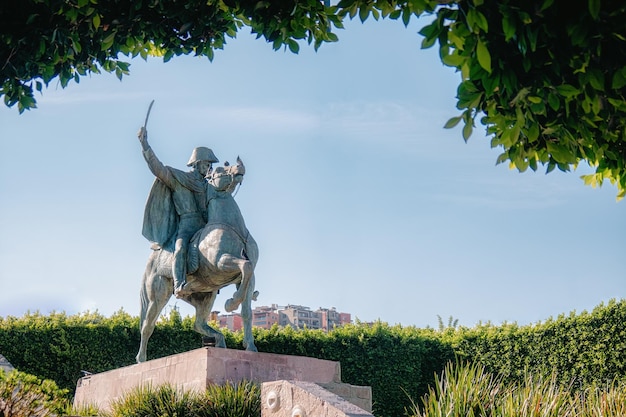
(161,401)
(462,390)
(535,397)
(242,399)
(607,401)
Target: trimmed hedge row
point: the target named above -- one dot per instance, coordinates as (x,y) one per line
(581,348)
(59,346)
(398,362)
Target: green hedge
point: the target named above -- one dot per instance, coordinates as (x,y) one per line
(396,361)
(59,346)
(581,348)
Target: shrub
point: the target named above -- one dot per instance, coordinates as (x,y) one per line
(25,395)
(163,401)
(468,390)
(242,399)
(233,400)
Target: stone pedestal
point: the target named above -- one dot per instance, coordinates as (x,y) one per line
(196,369)
(306,399)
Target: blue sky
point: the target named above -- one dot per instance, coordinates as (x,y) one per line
(357,196)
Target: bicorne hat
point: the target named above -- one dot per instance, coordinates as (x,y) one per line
(202,154)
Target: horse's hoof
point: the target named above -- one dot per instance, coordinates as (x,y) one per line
(230,305)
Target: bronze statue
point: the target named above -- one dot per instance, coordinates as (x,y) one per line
(200,243)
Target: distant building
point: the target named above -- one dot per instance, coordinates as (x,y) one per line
(232,322)
(331,318)
(265,317)
(300,317)
(296,316)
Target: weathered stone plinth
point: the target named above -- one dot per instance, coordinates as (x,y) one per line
(197,369)
(307,399)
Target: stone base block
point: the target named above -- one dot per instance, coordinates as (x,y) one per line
(196,369)
(305,399)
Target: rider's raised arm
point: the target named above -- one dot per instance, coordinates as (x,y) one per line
(158,169)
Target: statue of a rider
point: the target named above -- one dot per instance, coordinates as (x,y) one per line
(176,206)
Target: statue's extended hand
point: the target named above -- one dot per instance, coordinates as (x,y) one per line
(143,138)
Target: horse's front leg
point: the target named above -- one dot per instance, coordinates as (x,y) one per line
(229,263)
(203,303)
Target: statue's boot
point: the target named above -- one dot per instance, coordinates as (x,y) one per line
(181,290)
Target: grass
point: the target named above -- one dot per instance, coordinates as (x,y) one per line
(467,390)
(242,399)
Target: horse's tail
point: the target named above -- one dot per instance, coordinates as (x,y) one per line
(143,296)
(143,292)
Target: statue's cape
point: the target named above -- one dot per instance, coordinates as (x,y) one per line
(159,218)
(189,181)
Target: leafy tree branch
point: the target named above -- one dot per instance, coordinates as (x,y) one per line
(547,79)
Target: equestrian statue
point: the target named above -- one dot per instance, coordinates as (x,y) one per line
(200,243)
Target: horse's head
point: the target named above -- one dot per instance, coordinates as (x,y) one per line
(227,177)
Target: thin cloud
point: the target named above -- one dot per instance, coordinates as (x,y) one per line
(259,119)
(72,96)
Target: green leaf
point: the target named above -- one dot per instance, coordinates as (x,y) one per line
(508,27)
(96,21)
(430,31)
(503,157)
(594,8)
(568,90)
(619,79)
(477,21)
(453,60)
(483,55)
(533,132)
(107,42)
(363,13)
(293,46)
(395,14)
(596,79)
(406,16)
(553,101)
(546,4)
(428,42)
(467,130)
(452,122)
(560,153)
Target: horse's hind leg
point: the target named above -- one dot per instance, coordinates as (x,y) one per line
(203,303)
(245,268)
(156,290)
(246,315)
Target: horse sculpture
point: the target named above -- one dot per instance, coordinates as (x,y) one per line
(220,254)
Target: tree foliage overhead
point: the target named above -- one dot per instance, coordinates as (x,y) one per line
(41,40)
(546,78)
